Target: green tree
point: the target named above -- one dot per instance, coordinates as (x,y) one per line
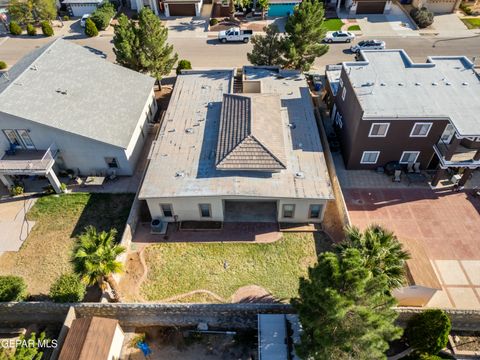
(26,352)
(12,288)
(304,32)
(28,11)
(15,29)
(95,258)
(47,29)
(143,47)
(427,332)
(103,15)
(183,65)
(268,49)
(345,312)
(31,30)
(264,6)
(383,254)
(90,28)
(67,288)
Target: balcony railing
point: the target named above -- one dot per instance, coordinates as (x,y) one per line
(461,154)
(28,162)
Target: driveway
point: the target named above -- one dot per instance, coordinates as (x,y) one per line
(450,25)
(446,224)
(187,27)
(14,228)
(395,23)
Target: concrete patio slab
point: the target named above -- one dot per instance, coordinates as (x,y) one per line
(451,272)
(14,228)
(472,269)
(440,300)
(464,297)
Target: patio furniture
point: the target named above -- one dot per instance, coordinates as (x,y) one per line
(416,167)
(416,178)
(391,166)
(94,181)
(410,167)
(11,150)
(397,177)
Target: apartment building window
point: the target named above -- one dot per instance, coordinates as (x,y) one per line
(409,157)
(112,162)
(421,129)
(369,157)
(315,211)
(344,93)
(288,210)
(205,210)
(379,130)
(167,210)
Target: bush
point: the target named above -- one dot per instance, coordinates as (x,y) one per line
(67,288)
(66,18)
(427,332)
(15,29)
(31,30)
(466,9)
(16,190)
(12,288)
(90,28)
(3,65)
(183,65)
(102,16)
(423,17)
(213,22)
(47,29)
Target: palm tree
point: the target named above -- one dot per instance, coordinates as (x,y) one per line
(381,250)
(95,259)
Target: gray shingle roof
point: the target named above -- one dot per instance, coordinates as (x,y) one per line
(68,87)
(251,134)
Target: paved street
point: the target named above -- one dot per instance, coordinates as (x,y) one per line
(206,52)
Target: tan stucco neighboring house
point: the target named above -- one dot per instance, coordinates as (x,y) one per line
(438,6)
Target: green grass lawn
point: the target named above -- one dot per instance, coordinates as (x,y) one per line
(354,28)
(45,255)
(472,23)
(177,268)
(333,24)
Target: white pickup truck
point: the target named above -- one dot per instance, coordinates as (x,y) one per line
(235,34)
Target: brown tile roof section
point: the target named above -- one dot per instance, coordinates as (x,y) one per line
(89,339)
(251,133)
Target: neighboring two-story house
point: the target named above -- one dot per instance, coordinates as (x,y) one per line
(64,107)
(388,108)
(253,155)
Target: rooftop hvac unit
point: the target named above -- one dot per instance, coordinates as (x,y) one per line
(158,226)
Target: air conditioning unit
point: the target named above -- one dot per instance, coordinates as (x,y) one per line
(455,179)
(158,227)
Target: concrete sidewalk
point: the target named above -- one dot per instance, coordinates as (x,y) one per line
(14,228)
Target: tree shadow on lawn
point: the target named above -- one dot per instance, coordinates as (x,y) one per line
(323,242)
(104,212)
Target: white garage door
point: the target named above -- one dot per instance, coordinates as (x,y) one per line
(440,7)
(82,9)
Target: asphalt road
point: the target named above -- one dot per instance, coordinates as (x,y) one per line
(209,53)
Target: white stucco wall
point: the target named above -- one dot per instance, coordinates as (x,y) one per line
(186,208)
(116,347)
(76,152)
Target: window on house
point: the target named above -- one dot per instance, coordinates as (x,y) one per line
(167,210)
(205,210)
(409,157)
(379,130)
(344,92)
(288,210)
(12,137)
(420,129)
(315,211)
(369,157)
(111,162)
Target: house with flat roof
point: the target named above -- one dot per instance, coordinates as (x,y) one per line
(63,107)
(386,108)
(248,156)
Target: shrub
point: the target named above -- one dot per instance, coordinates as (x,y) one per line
(90,28)
(63,186)
(466,9)
(66,18)
(31,30)
(67,288)
(423,17)
(16,190)
(15,29)
(47,29)
(12,288)
(183,65)
(3,65)
(427,332)
(213,22)
(102,16)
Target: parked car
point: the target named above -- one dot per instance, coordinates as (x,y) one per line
(235,34)
(368,45)
(84,19)
(339,36)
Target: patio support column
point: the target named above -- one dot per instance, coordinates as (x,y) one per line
(466,174)
(52,177)
(438,176)
(452,148)
(5,179)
